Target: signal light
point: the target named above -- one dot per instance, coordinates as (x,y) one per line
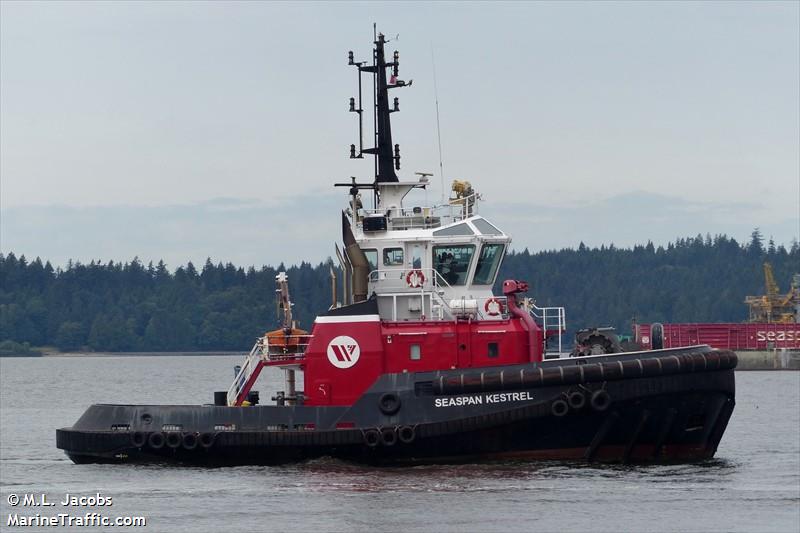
(352,105)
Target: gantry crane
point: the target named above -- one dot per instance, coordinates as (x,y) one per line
(774,307)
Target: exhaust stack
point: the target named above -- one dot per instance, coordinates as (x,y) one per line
(357,259)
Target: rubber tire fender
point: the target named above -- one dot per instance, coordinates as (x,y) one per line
(406,434)
(174,439)
(601,400)
(559,407)
(138,439)
(190,441)
(576,400)
(372,437)
(389,403)
(206,440)
(156,440)
(389,436)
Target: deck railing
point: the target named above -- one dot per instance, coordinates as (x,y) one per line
(456,210)
(289,349)
(551,319)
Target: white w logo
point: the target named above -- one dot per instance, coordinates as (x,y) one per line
(343,351)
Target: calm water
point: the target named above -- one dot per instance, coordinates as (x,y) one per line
(752,485)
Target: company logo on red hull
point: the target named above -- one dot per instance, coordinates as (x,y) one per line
(343,351)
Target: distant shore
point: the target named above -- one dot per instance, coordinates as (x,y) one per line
(123,354)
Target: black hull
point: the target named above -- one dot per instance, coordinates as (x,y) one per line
(670,405)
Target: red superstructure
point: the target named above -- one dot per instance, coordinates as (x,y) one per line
(723,336)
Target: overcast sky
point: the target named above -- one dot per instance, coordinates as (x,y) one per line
(187,130)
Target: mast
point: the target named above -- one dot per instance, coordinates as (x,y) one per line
(387,154)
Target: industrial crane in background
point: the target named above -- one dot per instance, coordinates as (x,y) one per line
(774,307)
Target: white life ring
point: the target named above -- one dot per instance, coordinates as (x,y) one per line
(493,307)
(415,279)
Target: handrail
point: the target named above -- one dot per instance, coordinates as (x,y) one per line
(456,210)
(551,318)
(434,287)
(243,375)
(432,276)
(265,351)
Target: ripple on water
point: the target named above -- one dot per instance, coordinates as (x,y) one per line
(752,485)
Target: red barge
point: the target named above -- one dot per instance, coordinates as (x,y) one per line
(421,362)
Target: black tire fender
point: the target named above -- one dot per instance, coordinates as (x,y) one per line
(601,400)
(174,439)
(372,437)
(206,440)
(576,400)
(406,434)
(190,441)
(389,436)
(559,407)
(138,439)
(156,440)
(389,403)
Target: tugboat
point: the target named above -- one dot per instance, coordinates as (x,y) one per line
(421,362)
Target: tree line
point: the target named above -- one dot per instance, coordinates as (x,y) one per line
(130,306)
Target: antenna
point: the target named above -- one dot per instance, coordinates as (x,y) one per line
(438,129)
(386,153)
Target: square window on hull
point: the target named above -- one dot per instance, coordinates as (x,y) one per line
(492,350)
(414,352)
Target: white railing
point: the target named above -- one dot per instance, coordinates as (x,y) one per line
(550,319)
(291,348)
(394,283)
(456,210)
(398,278)
(243,376)
(435,294)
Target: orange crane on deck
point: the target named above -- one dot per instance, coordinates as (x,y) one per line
(774,307)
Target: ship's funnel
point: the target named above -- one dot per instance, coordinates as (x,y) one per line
(357,259)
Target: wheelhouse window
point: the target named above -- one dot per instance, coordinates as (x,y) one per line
(452,262)
(372,258)
(392,257)
(488,261)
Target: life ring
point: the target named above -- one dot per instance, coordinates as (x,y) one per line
(493,307)
(415,279)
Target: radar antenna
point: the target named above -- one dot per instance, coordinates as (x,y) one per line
(387,155)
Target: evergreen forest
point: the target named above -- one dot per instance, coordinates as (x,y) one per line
(130,306)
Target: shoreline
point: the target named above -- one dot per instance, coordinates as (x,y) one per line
(748,361)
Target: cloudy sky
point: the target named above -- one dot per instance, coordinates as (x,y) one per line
(187,130)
